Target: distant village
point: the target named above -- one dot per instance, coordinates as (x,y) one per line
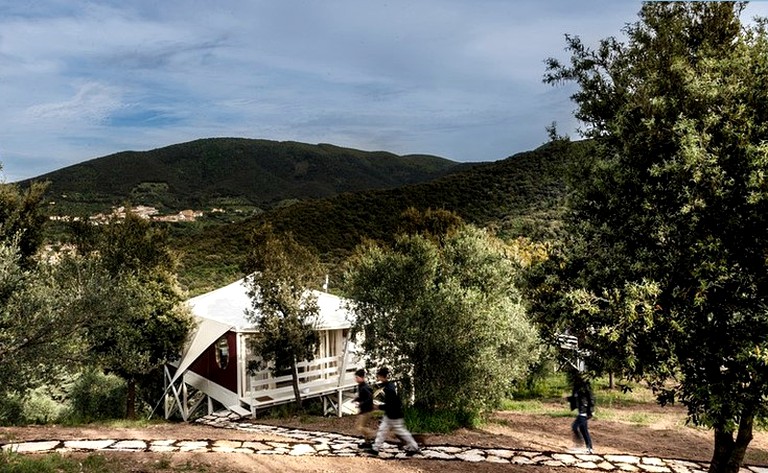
(146,212)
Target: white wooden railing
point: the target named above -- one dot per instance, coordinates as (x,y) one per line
(318,371)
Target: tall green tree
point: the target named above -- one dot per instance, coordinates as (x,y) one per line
(141,322)
(280,274)
(665,269)
(443,310)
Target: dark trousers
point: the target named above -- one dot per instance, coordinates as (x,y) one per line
(581,431)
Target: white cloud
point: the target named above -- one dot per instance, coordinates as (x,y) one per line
(91,104)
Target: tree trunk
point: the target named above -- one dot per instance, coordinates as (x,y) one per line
(130,408)
(610,380)
(729,453)
(295,376)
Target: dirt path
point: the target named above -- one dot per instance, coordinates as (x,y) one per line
(511,442)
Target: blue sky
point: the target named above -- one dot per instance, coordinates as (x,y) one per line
(455,78)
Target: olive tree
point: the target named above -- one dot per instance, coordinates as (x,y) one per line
(280,274)
(664,272)
(445,313)
(140,321)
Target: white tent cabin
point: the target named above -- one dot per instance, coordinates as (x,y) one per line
(214,364)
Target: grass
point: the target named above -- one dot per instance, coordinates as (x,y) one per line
(92,463)
(631,405)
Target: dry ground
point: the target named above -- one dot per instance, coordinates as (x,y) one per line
(664,436)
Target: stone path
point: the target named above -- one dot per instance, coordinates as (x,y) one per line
(306,442)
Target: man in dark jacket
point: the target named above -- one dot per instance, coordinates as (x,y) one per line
(583,400)
(364,402)
(393,416)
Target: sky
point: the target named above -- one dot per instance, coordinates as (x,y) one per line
(460,79)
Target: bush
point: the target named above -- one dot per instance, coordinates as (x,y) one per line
(11,410)
(41,408)
(422,421)
(96,396)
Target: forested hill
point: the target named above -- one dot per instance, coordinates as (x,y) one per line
(232,173)
(522,195)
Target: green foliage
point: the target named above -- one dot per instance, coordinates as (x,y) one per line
(96,396)
(139,321)
(665,276)
(279,275)
(439,422)
(541,383)
(443,312)
(21,218)
(41,408)
(56,463)
(211,173)
(519,196)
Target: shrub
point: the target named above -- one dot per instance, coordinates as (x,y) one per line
(96,396)
(422,421)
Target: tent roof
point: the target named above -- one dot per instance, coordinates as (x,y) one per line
(227,305)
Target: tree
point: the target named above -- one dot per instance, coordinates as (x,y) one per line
(141,321)
(665,268)
(41,317)
(41,299)
(444,312)
(21,218)
(279,275)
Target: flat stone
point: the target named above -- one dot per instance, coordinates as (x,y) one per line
(624,459)
(654,468)
(279,444)
(437,455)
(199,446)
(88,444)
(162,448)
(227,444)
(495,459)
(502,453)
(758,469)
(588,457)
(520,460)
(606,466)
(587,465)
(162,443)
(258,446)
(652,461)
(566,458)
(129,445)
(302,449)
(31,447)
(448,449)
(553,463)
(626,467)
(471,456)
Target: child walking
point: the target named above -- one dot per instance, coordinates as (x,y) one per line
(583,400)
(393,416)
(364,402)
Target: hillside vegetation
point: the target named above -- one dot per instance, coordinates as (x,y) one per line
(522,195)
(230,173)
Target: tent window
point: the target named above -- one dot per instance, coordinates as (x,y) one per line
(222,352)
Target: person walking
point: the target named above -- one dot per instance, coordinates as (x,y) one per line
(364,402)
(583,400)
(394,417)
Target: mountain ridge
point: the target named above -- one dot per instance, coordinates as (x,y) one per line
(237,172)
